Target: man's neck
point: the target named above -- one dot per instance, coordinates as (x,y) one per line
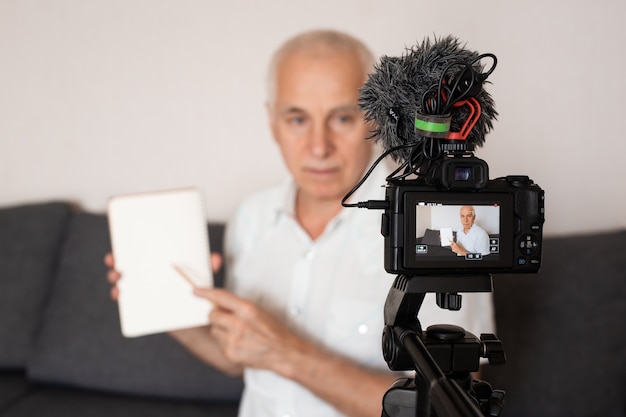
(315,214)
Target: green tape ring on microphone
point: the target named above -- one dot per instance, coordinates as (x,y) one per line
(432,126)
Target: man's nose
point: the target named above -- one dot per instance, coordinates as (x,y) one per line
(320,142)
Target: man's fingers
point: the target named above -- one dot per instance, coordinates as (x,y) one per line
(109,260)
(226,300)
(216,262)
(222,319)
(113,277)
(115,294)
(219,296)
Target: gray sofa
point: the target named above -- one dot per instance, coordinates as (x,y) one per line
(62,354)
(61,350)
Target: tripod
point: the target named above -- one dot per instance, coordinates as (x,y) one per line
(443,356)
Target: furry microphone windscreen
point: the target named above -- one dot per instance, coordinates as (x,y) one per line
(402,87)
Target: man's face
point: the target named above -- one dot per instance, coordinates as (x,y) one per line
(467,217)
(316,122)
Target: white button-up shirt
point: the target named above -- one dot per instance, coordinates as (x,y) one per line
(476,240)
(331,290)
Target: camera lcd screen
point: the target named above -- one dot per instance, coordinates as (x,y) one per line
(458,231)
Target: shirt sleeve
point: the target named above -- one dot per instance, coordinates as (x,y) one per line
(482,243)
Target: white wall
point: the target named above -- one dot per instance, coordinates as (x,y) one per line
(487,217)
(106,97)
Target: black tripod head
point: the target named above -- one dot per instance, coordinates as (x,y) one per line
(443,356)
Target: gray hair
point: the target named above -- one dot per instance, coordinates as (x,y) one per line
(316,39)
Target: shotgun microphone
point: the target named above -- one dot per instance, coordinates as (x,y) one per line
(429,101)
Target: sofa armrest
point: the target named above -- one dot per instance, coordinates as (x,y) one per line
(30,241)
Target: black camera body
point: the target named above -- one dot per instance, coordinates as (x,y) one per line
(421,222)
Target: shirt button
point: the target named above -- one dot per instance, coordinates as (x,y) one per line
(363,329)
(309,255)
(294,311)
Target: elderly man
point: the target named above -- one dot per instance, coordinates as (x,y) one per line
(302,314)
(470,238)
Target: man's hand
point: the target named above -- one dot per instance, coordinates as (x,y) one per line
(248,335)
(458,249)
(197,340)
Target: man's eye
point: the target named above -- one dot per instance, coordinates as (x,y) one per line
(297,124)
(342,122)
(345,118)
(296,120)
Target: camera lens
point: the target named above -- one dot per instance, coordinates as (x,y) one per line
(462,173)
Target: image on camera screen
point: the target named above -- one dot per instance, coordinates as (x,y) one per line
(457,232)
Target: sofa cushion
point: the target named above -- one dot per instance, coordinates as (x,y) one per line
(80,342)
(563,330)
(51,401)
(30,238)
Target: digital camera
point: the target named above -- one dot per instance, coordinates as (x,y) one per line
(457,221)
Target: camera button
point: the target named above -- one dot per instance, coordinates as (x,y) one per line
(528,244)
